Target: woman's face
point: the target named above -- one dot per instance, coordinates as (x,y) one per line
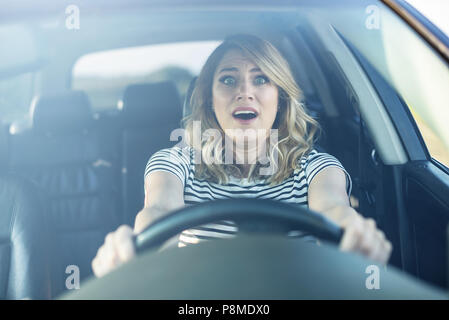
(242,96)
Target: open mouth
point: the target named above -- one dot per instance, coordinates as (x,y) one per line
(244,115)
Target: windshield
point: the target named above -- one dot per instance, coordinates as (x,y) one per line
(94,96)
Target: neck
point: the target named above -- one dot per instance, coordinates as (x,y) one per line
(245,155)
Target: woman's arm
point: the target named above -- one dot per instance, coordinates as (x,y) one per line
(327,195)
(164,193)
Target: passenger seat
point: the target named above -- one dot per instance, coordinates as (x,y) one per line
(24,241)
(60,153)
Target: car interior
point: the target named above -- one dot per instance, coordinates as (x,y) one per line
(72,174)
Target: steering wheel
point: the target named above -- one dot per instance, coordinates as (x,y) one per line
(251,216)
(259,267)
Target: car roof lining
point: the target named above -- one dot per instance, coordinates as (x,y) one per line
(161,29)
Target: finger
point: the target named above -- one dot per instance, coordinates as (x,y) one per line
(387,248)
(100,253)
(371,222)
(109,257)
(124,243)
(353,235)
(98,267)
(376,253)
(350,238)
(381,235)
(378,249)
(346,242)
(368,237)
(94,266)
(96,262)
(106,257)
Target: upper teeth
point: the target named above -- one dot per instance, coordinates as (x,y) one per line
(244,112)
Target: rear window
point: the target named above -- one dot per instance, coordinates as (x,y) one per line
(105,75)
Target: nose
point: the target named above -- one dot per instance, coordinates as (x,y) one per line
(245,91)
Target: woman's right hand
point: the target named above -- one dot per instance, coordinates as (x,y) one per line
(118,246)
(117,249)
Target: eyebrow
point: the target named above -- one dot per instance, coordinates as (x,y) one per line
(234,69)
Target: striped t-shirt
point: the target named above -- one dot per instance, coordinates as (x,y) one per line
(180,162)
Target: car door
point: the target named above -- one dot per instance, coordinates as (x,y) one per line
(407,195)
(419,189)
(413,85)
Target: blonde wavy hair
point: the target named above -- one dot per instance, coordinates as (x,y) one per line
(296,129)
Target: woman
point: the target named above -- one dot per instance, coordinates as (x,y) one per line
(245,88)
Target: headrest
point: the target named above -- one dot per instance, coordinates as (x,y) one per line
(151,104)
(65,112)
(186,108)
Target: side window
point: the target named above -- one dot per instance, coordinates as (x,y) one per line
(15,97)
(418,74)
(105,75)
(433,140)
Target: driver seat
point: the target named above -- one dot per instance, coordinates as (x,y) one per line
(24,268)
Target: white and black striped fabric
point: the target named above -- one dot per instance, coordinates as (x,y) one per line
(179,161)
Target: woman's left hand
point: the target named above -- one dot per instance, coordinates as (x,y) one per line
(361,234)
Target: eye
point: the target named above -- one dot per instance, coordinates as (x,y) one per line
(260,80)
(227,80)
